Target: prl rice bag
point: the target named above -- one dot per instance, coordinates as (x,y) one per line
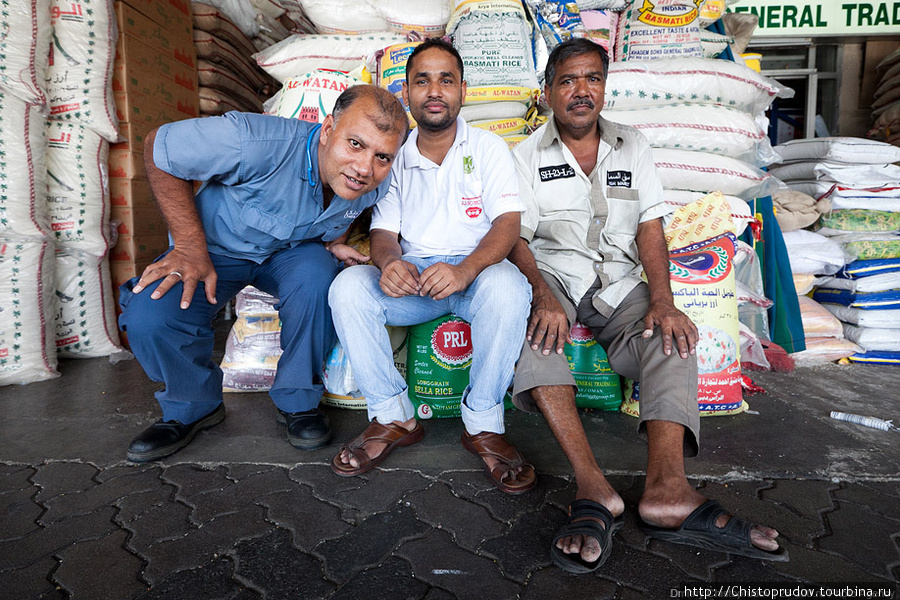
(701,267)
(437,368)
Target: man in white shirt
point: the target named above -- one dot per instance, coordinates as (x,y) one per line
(592,222)
(438,242)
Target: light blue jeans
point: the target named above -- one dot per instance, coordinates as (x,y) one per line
(497,305)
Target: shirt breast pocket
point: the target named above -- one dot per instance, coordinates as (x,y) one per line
(624,210)
(471,200)
(253,218)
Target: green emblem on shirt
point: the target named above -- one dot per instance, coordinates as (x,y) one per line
(468,165)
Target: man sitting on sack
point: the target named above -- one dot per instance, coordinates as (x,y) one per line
(592,221)
(455,207)
(278,198)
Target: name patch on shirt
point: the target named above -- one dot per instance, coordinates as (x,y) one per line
(618,179)
(556,172)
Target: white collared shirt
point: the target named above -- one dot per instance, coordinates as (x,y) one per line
(447,209)
(581,226)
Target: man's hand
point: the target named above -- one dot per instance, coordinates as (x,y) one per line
(186,265)
(440,280)
(673,323)
(347,254)
(548,322)
(400,278)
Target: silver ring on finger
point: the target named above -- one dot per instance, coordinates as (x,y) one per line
(176,273)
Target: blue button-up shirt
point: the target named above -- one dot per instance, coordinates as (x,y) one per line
(261,190)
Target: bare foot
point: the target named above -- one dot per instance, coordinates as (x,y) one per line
(373,449)
(599,491)
(671,511)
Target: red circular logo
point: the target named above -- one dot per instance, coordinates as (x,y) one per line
(452,344)
(580,334)
(473,211)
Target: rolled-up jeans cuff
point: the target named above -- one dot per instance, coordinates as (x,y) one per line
(396,408)
(484,420)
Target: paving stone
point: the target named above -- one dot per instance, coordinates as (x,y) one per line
(100,569)
(507,508)
(30,581)
(45,541)
(439,562)
(87,501)
(747,569)
(643,571)
(132,469)
(246,492)
(246,594)
(696,562)
(369,542)
(167,521)
(18,513)
(307,518)
(742,499)
(15,477)
(380,491)
(862,537)
(804,497)
(211,581)
(469,523)
(203,543)
(391,580)
(820,567)
(879,497)
(240,471)
(136,505)
(193,479)
(278,570)
(63,478)
(325,484)
(526,547)
(551,582)
(467,484)
(438,594)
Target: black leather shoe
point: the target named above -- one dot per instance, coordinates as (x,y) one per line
(168,437)
(306,430)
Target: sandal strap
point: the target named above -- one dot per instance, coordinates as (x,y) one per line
(704,519)
(375,432)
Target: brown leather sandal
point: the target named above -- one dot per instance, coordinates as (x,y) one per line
(390,434)
(492,445)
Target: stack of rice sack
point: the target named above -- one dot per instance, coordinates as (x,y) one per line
(226,36)
(886,105)
(865,296)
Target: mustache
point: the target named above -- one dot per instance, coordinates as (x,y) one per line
(580,102)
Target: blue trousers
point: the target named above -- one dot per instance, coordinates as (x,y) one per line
(174,346)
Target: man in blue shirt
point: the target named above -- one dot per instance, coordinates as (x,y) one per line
(277,199)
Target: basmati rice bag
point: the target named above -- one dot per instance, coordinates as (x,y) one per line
(659,29)
(638,83)
(27,304)
(25,37)
(78,188)
(509,126)
(23,171)
(706,172)
(312,96)
(494,39)
(85,317)
(81,65)
(299,54)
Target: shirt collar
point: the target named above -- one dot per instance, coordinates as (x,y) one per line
(310,162)
(609,133)
(411,155)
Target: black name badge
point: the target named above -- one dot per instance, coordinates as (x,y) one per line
(618,179)
(556,172)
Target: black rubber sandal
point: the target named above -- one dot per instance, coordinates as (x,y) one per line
(588,510)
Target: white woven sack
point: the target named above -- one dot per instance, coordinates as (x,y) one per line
(818,188)
(79,76)
(345,17)
(602,4)
(638,83)
(716,129)
(312,96)
(493,110)
(23,171)
(494,39)
(705,172)
(86,317)
(427,18)
(874,339)
(78,188)
(27,304)
(24,37)
(878,318)
(866,285)
(239,12)
(299,54)
(860,176)
(812,253)
(848,150)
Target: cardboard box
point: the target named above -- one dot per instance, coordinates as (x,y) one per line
(135,107)
(140,250)
(178,43)
(133,134)
(171,14)
(125,163)
(130,193)
(138,221)
(149,93)
(135,58)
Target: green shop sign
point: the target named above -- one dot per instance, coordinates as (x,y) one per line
(779,18)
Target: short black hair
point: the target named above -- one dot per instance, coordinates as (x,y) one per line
(435,42)
(568,49)
(389,114)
